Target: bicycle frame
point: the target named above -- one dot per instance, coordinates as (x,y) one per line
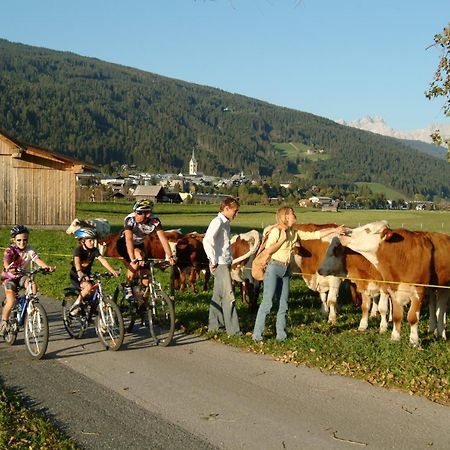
(24,302)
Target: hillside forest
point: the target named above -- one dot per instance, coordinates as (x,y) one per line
(109,115)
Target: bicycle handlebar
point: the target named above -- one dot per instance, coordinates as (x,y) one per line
(155,261)
(29,273)
(98,275)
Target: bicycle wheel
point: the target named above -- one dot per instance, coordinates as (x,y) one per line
(109,324)
(36,331)
(161,318)
(128,310)
(75,325)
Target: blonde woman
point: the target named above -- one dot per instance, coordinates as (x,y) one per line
(280,244)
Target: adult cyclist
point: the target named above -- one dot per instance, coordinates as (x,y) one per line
(137,226)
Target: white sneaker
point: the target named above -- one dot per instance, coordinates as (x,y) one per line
(3,326)
(75,310)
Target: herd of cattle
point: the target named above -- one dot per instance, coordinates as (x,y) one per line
(387,268)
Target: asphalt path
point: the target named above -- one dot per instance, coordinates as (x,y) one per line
(199,394)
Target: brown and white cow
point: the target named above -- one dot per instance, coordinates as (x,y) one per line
(404,259)
(101,226)
(244,247)
(344,262)
(309,255)
(152,245)
(439,297)
(191,261)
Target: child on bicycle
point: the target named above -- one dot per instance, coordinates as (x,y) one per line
(18,259)
(137,225)
(83,258)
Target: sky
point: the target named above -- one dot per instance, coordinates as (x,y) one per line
(340,59)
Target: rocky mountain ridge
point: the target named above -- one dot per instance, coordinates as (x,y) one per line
(377,124)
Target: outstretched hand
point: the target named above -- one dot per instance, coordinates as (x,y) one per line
(342,230)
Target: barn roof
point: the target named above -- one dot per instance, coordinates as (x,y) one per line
(24,149)
(147,191)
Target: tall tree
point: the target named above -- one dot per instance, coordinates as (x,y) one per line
(440,86)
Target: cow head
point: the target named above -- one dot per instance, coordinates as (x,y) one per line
(73,226)
(367,239)
(334,260)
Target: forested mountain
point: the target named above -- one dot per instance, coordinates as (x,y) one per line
(430,149)
(105,113)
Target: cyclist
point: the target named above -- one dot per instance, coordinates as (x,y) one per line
(137,225)
(17,259)
(83,258)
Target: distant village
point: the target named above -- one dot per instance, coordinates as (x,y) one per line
(178,188)
(166,188)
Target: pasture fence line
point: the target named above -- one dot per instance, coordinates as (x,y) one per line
(434,286)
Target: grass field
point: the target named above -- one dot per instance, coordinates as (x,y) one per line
(378,188)
(197,217)
(336,348)
(292,150)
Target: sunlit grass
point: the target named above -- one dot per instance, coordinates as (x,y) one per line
(21,428)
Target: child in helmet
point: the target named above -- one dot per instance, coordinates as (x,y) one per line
(137,225)
(17,258)
(83,258)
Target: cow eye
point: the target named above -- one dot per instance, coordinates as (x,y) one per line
(367,230)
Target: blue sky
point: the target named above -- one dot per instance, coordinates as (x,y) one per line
(340,59)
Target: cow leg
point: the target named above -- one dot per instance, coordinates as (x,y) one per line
(365,306)
(244,291)
(375,307)
(332,301)
(413,319)
(382,309)
(432,303)
(250,294)
(182,280)
(324,308)
(253,305)
(442,297)
(207,274)
(192,279)
(174,277)
(397,316)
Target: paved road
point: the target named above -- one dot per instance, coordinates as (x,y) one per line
(201,394)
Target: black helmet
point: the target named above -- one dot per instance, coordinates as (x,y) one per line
(144,205)
(19,229)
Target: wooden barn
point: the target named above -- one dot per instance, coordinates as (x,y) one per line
(37,186)
(154,193)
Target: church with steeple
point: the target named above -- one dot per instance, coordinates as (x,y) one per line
(193,166)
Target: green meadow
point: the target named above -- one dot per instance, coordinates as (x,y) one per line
(336,349)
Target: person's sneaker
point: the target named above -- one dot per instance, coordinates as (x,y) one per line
(3,327)
(128,291)
(75,310)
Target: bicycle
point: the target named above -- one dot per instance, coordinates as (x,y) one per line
(149,303)
(30,314)
(108,318)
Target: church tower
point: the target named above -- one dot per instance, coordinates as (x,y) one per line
(193,168)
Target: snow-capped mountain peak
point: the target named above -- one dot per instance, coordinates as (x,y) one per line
(376,124)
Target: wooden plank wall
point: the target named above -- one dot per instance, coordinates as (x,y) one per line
(36,191)
(7,198)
